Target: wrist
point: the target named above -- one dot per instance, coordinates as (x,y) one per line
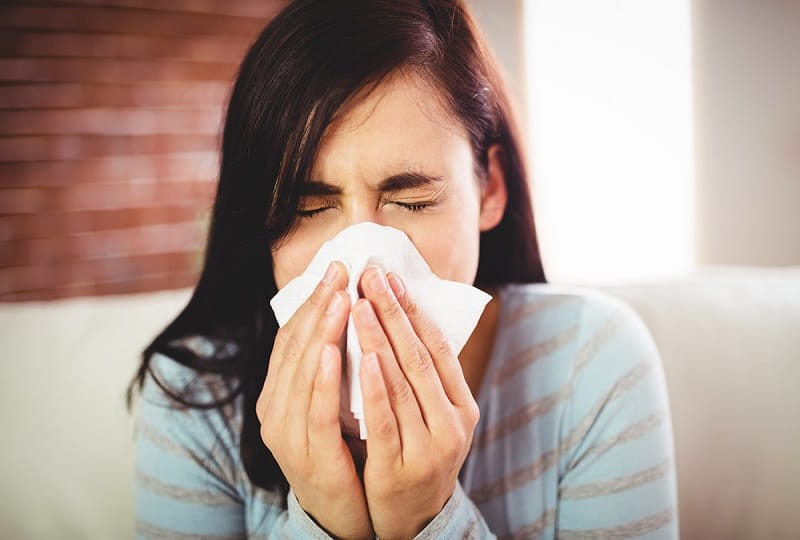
(317,514)
(409,528)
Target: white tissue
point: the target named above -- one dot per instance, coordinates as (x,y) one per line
(454,307)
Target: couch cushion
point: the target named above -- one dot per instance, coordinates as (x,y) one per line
(730,343)
(67,456)
(729,340)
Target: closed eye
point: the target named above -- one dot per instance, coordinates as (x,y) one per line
(311,206)
(306,213)
(414,207)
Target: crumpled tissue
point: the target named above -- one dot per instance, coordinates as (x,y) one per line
(454,307)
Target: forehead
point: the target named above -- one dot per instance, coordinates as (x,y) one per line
(399,124)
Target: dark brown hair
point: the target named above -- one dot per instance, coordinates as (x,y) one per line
(312,57)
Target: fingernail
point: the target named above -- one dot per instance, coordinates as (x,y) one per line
(334,304)
(397,285)
(376,280)
(330,273)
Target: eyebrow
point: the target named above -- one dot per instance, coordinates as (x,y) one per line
(396,182)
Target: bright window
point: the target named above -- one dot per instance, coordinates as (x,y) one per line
(610,130)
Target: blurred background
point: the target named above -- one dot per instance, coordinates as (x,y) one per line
(110,121)
(662,135)
(664,150)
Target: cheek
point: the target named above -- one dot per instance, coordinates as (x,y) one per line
(452,252)
(292,258)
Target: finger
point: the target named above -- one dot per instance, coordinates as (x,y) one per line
(291,339)
(383,442)
(324,430)
(373,339)
(413,357)
(444,358)
(300,389)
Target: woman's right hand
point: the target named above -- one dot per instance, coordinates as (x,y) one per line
(299,411)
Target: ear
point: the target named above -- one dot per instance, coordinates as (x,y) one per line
(494,194)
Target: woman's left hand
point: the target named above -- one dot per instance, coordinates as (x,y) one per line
(420,413)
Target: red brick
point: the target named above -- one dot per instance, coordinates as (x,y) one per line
(25,226)
(7,229)
(134,266)
(143,240)
(87,147)
(205,48)
(168,214)
(107,121)
(242,8)
(131,195)
(59,224)
(122,20)
(109,139)
(40,251)
(20,201)
(119,70)
(161,170)
(141,94)
(26,278)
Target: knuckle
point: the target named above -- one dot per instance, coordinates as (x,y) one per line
(441,345)
(459,441)
(452,454)
(385,428)
(303,381)
(261,404)
(319,421)
(399,390)
(410,306)
(473,413)
(454,437)
(292,348)
(419,360)
(393,310)
(280,339)
(267,435)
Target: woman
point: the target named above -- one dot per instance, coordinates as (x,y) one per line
(391,112)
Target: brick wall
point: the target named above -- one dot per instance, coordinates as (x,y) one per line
(110,118)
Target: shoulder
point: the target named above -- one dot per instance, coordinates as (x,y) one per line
(594,319)
(177,411)
(516,295)
(613,382)
(168,379)
(189,470)
(578,341)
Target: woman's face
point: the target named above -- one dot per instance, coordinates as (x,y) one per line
(396,157)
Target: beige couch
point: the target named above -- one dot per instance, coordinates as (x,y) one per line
(729,339)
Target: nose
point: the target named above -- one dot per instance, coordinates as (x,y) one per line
(364,211)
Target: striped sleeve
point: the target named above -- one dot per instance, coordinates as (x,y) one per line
(189,478)
(617,476)
(458,519)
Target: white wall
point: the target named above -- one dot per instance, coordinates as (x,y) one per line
(609,90)
(746,86)
(747,131)
(502,24)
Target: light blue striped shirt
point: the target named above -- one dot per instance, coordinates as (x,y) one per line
(574,440)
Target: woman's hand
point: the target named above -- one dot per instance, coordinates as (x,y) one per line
(419,410)
(299,411)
